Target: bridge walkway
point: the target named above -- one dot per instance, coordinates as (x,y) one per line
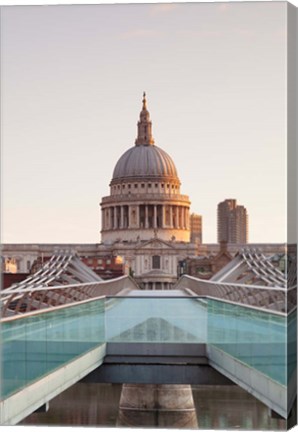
(47,351)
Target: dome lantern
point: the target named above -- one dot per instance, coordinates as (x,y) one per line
(144,126)
(144,159)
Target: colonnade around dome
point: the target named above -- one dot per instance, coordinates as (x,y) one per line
(145,216)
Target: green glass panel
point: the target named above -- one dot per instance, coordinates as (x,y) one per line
(33,346)
(159,319)
(254,337)
(292,345)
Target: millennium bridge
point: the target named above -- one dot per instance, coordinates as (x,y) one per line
(65,324)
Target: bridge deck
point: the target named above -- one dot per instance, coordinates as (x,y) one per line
(248,346)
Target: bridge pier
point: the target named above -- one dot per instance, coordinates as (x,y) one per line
(159,405)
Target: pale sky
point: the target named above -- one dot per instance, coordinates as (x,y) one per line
(72,84)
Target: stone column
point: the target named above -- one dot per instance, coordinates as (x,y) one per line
(146,216)
(107,222)
(138,216)
(171,216)
(121,216)
(129,216)
(182,218)
(110,218)
(163,217)
(115,217)
(177,217)
(154,216)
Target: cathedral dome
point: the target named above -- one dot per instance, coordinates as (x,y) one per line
(145,159)
(145,200)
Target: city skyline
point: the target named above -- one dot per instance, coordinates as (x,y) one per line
(71,100)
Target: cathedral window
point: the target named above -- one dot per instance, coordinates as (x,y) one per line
(142,185)
(149,185)
(136,186)
(156,262)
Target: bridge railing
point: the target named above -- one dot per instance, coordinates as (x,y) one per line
(261,339)
(26,300)
(281,300)
(37,343)
(33,345)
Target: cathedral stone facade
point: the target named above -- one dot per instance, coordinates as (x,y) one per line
(145,213)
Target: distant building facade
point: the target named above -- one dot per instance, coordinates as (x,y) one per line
(232,222)
(196,234)
(205,266)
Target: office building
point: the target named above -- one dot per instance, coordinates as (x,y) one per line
(232,222)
